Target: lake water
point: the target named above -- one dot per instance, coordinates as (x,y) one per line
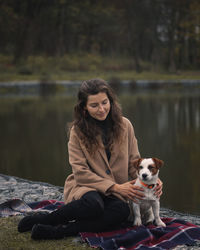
(33,140)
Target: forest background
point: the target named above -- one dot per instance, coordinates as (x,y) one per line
(129,39)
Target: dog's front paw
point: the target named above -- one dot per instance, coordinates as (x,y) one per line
(137,222)
(160,223)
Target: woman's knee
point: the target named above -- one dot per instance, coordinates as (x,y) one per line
(125,210)
(94,202)
(115,214)
(120,210)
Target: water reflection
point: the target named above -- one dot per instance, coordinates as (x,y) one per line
(167,124)
(33,138)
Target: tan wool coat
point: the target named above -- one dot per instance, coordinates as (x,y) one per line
(96,173)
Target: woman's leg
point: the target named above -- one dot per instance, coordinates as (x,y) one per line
(115,212)
(90,205)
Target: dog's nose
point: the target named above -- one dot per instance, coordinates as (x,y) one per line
(144,176)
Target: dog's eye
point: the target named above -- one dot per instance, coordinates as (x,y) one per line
(140,167)
(150,167)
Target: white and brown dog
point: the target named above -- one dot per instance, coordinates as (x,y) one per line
(147,210)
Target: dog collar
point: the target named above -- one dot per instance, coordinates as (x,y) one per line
(150,186)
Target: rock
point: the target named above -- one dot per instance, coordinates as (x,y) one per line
(29,191)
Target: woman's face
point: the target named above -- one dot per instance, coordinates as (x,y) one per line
(98,106)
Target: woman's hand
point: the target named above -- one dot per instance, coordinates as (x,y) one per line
(128,190)
(158,189)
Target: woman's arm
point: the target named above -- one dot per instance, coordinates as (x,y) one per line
(128,190)
(83,174)
(158,190)
(133,151)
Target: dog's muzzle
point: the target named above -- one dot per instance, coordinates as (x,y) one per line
(144,176)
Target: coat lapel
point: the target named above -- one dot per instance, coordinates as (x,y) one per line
(114,154)
(103,154)
(102,151)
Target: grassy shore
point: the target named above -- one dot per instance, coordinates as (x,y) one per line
(107,75)
(11,239)
(83,66)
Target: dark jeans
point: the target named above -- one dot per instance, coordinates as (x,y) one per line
(94,212)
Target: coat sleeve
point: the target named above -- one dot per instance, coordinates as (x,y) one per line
(83,173)
(133,150)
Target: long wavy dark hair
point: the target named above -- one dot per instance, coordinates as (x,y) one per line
(86,127)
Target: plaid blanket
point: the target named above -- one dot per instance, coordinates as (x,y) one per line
(177,232)
(19,207)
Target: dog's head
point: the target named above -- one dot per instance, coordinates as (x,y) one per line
(148,168)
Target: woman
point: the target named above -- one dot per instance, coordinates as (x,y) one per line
(101,146)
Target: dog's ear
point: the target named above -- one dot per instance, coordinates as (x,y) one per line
(159,163)
(135,163)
